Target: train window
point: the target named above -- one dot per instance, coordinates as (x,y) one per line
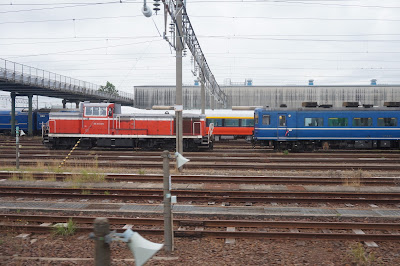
(231,122)
(387,122)
(88,111)
(338,122)
(266,120)
(282,120)
(216,121)
(96,111)
(362,121)
(247,122)
(110,111)
(103,111)
(313,122)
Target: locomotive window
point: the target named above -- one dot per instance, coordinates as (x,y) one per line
(313,122)
(266,120)
(231,122)
(217,122)
(89,111)
(110,111)
(103,111)
(96,111)
(387,122)
(246,122)
(338,122)
(362,121)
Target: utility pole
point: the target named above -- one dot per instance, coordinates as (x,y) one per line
(179,93)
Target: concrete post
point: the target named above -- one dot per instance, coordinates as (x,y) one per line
(102,255)
(13,113)
(168,220)
(179,94)
(30,120)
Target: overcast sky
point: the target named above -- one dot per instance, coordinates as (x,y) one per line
(273,42)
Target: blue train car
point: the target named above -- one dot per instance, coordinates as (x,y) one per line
(340,128)
(21,120)
(39,118)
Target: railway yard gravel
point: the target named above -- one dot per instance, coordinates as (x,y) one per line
(48,249)
(197,252)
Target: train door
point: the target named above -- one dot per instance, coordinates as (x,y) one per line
(282,129)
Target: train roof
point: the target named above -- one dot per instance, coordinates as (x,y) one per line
(337,109)
(219,113)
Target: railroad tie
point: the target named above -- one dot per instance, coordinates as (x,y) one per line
(230,240)
(368,243)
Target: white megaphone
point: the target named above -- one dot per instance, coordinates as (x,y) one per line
(180,160)
(141,248)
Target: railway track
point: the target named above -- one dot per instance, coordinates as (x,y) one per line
(202,196)
(268,180)
(217,228)
(222,164)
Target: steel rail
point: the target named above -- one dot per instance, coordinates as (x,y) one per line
(203,196)
(216,165)
(224,234)
(202,223)
(288,180)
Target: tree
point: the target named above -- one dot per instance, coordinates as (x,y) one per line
(109,88)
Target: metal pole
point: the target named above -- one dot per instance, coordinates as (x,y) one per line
(212,101)
(30,120)
(179,96)
(203,95)
(168,230)
(17,147)
(102,256)
(13,113)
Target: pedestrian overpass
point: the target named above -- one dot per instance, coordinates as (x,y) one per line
(23,80)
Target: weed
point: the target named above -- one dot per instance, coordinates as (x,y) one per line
(51,177)
(107,193)
(360,256)
(92,177)
(67,229)
(142,171)
(14,177)
(27,176)
(285,152)
(96,161)
(354,178)
(85,192)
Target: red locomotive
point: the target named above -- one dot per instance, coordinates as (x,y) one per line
(103,125)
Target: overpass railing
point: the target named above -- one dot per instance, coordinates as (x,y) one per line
(23,74)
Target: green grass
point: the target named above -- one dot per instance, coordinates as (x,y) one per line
(360,256)
(65,230)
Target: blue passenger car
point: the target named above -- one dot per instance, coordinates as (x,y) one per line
(39,117)
(313,128)
(21,120)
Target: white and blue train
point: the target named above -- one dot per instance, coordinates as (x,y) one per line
(307,129)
